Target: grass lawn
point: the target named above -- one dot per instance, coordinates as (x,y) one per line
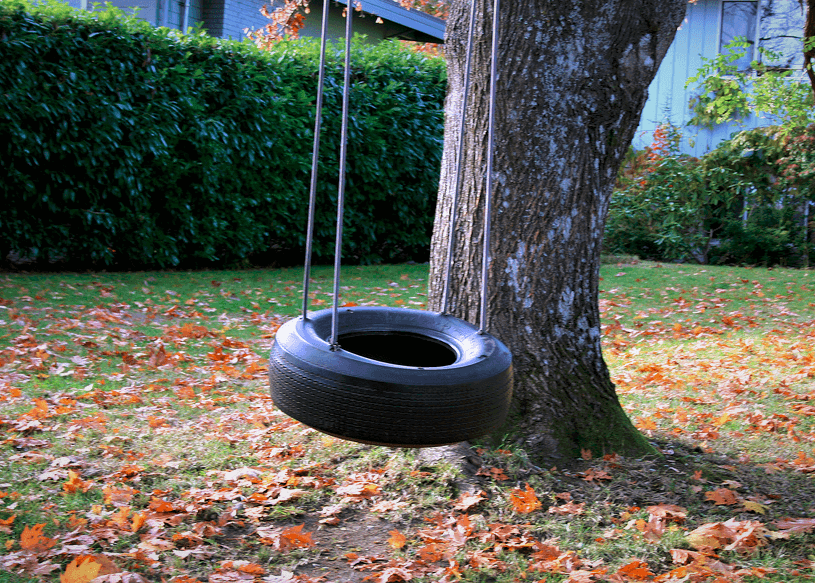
(139,442)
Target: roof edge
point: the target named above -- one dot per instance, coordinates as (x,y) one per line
(427,24)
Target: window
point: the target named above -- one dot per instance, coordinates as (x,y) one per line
(739,20)
(780,30)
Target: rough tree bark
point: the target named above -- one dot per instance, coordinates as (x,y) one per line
(573,79)
(809,32)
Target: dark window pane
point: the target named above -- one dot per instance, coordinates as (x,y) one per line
(739,19)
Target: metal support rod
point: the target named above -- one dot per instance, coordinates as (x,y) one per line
(346,90)
(315,156)
(488,195)
(445,298)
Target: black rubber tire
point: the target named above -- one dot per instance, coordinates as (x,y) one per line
(401,378)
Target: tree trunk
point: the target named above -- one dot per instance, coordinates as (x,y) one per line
(573,79)
(809,32)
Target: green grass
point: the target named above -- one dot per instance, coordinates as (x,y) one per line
(152,388)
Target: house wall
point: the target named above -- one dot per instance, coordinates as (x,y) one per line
(241,14)
(363,24)
(238,15)
(230,18)
(780,21)
(212,15)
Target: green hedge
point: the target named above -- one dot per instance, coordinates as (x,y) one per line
(127,146)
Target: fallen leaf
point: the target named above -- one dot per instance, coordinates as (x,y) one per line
(568,508)
(82,569)
(722,497)
(397,540)
(467,501)
(86,568)
(33,540)
(394,575)
(494,473)
(669,512)
(524,501)
(636,571)
(752,506)
(593,474)
(76,484)
(295,538)
(734,535)
(795,525)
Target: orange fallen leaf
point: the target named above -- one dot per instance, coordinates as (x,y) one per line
(295,538)
(82,569)
(741,536)
(85,568)
(636,571)
(524,501)
(359,490)
(494,473)
(722,497)
(118,496)
(397,540)
(138,521)
(121,517)
(76,484)
(653,530)
(593,474)
(33,540)
(156,422)
(432,552)
(251,568)
(159,505)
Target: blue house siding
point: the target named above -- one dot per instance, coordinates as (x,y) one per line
(699,37)
(238,15)
(229,19)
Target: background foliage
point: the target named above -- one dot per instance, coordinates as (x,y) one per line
(725,93)
(749,201)
(746,202)
(128,146)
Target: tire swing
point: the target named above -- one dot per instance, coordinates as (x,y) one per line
(391,376)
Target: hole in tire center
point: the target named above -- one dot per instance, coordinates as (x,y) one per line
(400,348)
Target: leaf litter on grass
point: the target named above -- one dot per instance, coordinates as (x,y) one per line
(142,444)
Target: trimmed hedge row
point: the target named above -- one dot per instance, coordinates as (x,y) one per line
(127,146)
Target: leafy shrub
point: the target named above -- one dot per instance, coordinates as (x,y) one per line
(743,203)
(128,146)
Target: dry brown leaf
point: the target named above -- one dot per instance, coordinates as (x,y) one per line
(722,497)
(568,508)
(670,512)
(734,535)
(795,525)
(467,501)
